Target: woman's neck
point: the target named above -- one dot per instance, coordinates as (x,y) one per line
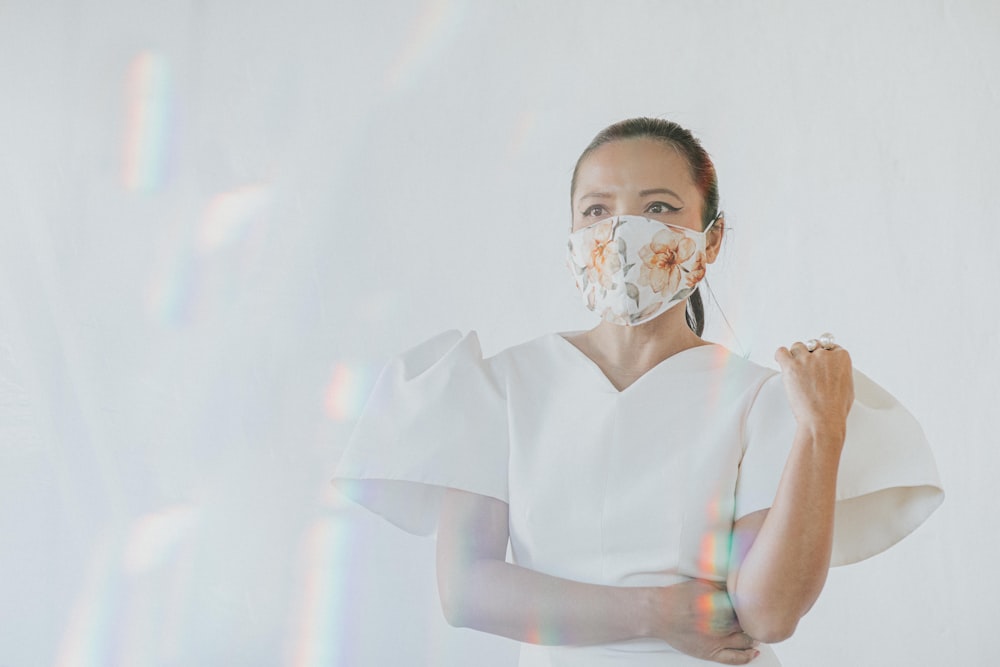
(626,353)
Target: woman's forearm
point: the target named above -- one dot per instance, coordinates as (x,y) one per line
(783,571)
(480,590)
(505,599)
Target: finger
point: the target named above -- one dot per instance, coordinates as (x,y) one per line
(799,347)
(723,622)
(732,656)
(726,626)
(718,622)
(740,641)
(783,356)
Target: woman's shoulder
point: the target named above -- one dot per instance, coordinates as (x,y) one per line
(736,368)
(539,345)
(450,352)
(536,352)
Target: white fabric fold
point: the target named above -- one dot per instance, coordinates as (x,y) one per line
(436,418)
(887,484)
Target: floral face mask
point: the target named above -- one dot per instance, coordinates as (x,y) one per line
(631,269)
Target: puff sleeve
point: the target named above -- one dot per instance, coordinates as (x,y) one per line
(887,483)
(436,418)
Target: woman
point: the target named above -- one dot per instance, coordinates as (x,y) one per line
(665,501)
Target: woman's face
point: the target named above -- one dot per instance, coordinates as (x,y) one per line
(636,177)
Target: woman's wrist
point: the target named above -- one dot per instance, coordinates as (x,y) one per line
(825,432)
(644,606)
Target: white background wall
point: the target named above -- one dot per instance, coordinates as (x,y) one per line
(219,218)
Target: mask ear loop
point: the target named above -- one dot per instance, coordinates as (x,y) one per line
(717,217)
(744,352)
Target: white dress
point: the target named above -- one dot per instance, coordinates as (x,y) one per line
(636,487)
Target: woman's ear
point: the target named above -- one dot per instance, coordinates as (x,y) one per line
(713,240)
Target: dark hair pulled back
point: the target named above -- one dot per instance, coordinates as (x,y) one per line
(702,173)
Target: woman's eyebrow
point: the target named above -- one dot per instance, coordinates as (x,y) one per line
(642,193)
(659,191)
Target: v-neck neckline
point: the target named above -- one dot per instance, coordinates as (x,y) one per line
(595,367)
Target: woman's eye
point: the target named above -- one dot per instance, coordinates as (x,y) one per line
(661,207)
(594,210)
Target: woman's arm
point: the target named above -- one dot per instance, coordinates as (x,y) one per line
(480,590)
(781,556)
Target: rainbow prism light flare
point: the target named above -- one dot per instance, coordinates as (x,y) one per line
(437,24)
(226,222)
(89,637)
(147,99)
(347,391)
(229,215)
(319,637)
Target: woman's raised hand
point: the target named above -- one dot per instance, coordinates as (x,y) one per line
(697,618)
(819,384)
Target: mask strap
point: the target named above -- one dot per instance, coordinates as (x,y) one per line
(714,220)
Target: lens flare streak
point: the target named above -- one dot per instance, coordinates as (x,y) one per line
(228,215)
(148,98)
(155,537)
(346,391)
(88,638)
(436,25)
(318,639)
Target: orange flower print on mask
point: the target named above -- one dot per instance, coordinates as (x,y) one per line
(697,271)
(661,260)
(602,254)
(630,269)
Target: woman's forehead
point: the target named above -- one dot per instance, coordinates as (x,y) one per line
(638,164)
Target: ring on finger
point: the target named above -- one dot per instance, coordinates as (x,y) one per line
(827,341)
(811,344)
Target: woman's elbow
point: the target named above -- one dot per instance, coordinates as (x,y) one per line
(770,628)
(456,602)
(454,610)
(770,616)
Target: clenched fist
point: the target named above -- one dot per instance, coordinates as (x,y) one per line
(819,384)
